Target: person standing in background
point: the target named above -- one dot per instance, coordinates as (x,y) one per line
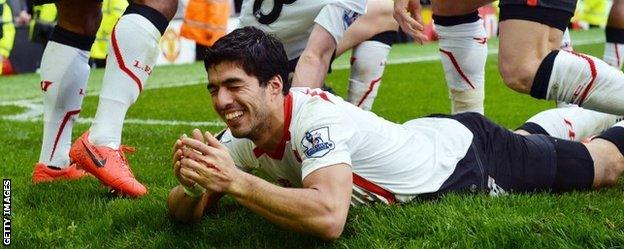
(7,36)
(112,10)
(205,21)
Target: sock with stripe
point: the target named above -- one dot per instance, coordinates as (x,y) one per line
(64,75)
(572,123)
(368,62)
(463,52)
(132,53)
(580,79)
(566,41)
(614,47)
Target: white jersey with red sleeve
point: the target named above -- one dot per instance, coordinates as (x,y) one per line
(291,21)
(390,162)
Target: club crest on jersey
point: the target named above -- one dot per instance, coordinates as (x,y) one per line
(317,142)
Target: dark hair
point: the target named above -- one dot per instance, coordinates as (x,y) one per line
(259,54)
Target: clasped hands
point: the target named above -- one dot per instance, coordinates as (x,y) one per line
(202,160)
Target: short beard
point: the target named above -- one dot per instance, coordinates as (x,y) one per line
(261,128)
(263,123)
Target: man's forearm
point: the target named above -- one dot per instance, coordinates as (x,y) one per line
(189,209)
(302,209)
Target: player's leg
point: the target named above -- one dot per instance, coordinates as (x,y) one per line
(463,52)
(614,47)
(378,19)
(454,8)
(517,163)
(371,36)
(606,151)
(571,123)
(133,50)
(64,75)
(329,28)
(530,62)
(576,166)
(132,53)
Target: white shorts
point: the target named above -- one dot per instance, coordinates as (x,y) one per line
(294,23)
(336,20)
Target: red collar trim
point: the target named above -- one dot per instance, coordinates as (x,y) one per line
(278,153)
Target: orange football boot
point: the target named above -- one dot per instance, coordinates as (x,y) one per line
(43,173)
(110,166)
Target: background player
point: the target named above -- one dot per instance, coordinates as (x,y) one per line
(462,45)
(132,53)
(614,32)
(328,154)
(314,33)
(530,61)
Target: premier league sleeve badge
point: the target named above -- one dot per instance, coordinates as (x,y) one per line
(317,142)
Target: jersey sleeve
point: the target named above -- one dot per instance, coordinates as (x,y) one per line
(321,137)
(239,150)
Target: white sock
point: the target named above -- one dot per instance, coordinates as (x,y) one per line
(573,123)
(463,51)
(134,45)
(368,62)
(614,46)
(583,80)
(566,41)
(614,54)
(64,76)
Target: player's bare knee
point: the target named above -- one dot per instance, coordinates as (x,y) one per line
(516,76)
(608,162)
(610,174)
(166,7)
(613,172)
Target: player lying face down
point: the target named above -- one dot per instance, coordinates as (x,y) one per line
(325,154)
(248,92)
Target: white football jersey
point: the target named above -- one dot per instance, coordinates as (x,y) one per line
(292,22)
(390,162)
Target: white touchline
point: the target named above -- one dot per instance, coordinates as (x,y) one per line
(34,107)
(34,111)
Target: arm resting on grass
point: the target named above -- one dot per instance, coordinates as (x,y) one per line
(320,208)
(189,209)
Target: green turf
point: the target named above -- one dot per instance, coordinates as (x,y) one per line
(82,215)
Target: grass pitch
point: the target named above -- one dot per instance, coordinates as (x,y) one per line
(81,214)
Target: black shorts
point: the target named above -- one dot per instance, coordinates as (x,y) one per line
(554,13)
(499,159)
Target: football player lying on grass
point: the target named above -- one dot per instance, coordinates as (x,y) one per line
(327,154)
